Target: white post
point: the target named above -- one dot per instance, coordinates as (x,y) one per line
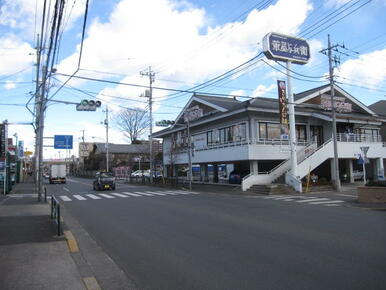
(291,113)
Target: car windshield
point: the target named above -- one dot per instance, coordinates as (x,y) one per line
(106,174)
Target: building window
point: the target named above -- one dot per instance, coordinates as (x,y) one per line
(301,132)
(263,130)
(209,137)
(228,134)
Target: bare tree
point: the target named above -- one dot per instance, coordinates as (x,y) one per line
(132,122)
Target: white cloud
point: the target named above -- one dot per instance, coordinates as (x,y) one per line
(171,39)
(366,70)
(261,90)
(20,14)
(9,85)
(15,55)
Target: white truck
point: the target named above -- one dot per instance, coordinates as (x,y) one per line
(58,173)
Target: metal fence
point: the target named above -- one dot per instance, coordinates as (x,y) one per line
(55,214)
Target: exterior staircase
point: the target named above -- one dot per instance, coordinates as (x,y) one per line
(271,189)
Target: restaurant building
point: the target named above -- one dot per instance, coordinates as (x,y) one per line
(231,136)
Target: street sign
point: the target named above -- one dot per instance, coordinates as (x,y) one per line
(365,149)
(164,123)
(286,48)
(63,141)
(20,149)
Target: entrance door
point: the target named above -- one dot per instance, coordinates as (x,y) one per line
(317,133)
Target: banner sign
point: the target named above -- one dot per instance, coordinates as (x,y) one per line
(286,48)
(341,105)
(283,111)
(20,149)
(3,140)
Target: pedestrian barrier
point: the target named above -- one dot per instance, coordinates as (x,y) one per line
(45,194)
(55,214)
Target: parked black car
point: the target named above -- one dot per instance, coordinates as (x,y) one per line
(104,180)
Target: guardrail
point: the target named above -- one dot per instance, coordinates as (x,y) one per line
(55,214)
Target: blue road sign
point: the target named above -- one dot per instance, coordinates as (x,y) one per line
(286,48)
(63,142)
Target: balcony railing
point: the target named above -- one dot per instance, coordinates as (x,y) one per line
(350,137)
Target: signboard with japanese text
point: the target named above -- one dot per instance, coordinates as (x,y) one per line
(3,140)
(20,149)
(193,113)
(283,111)
(63,142)
(286,48)
(341,105)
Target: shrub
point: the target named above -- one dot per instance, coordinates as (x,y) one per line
(376,183)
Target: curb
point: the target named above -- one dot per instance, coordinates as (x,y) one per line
(90,282)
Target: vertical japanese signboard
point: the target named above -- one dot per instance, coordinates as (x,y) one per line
(283,111)
(3,140)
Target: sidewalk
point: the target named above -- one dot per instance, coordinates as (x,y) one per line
(32,256)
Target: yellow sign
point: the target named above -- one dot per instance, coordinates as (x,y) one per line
(28,153)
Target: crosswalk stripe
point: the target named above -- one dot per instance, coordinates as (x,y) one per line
(331,204)
(327,202)
(106,195)
(131,194)
(182,192)
(65,198)
(171,192)
(93,196)
(143,193)
(156,193)
(310,200)
(289,199)
(271,197)
(79,197)
(118,194)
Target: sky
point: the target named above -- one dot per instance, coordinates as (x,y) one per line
(186,43)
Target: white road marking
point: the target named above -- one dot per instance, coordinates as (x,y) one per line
(270,197)
(143,193)
(347,195)
(79,197)
(156,193)
(119,194)
(131,194)
(310,200)
(289,199)
(65,198)
(327,202)
(282,198)
(330,204)
(170,192)
(93,196)
(66,189)
(183,192)
(106,195)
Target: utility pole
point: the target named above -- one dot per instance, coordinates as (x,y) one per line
(151,75)
(107,138)
(37,115)
(333,111)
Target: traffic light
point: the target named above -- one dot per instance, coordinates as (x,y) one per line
(164,123)
(88,105)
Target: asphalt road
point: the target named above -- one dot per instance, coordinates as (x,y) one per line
(220,241)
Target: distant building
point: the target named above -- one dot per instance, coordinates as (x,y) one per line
(92,156)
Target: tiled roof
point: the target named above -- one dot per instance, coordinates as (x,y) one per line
(308,92)
(224,102)
(379,107)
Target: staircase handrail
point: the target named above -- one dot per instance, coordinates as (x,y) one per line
(317,149)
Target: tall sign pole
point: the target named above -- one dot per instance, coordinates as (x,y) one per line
(281,47)
(292,128)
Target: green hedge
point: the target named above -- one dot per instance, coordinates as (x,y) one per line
(376,183)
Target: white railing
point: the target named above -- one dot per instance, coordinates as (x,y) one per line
(350,137)
(269,176)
